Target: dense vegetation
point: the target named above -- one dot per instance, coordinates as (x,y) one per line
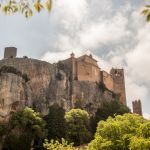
(25,128)
(77,121)
(56,123)
(61,130)
(108,108)
(127,132)
(10,69)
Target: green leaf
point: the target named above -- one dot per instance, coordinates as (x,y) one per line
(48,5)
(145,11)
(148,17)
(38,6)
(148,6)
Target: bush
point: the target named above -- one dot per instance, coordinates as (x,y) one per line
(56,145)
(10,69)
(77,126)
(2,129)
(56,124)
(108,108)
(25,127)
(59,76)
(13,141)
(121,132)
(25,77)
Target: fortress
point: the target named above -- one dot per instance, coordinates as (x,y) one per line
(39,84)
(85,68)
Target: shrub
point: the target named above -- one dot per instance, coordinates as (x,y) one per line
(25,127)
(10,69)
(56,124)
(107,108)
(56,145)
(120,133)
(78,126)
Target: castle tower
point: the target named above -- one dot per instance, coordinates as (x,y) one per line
(119,84)
(137,107)
(10,52)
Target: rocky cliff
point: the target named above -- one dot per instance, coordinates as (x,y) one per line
(38,84)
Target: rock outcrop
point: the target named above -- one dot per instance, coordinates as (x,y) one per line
(46,84)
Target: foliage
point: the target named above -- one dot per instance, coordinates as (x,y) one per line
(24,6)
(25,77)
(77,126)
(10,69)
(59,76)
(13,141)
(56,145)
(146,12)
(122,133)
(61,66)
(107,108)
(56,124)
(79,104)
(139,143)
(102,87)
(29,120)
(26,126)
(2,129)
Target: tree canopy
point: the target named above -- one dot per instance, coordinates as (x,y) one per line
(108,108)
(56,124)
(56,145)
(127,132)
(25,7)
(77,126)
(25,127)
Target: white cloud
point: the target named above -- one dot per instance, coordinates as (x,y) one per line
(147,116)
(96,34)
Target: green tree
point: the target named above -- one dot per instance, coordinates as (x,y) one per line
(139,143)
(56,124)
(26,126)
(121,132)
(56,145)
(107,108)
(77,126)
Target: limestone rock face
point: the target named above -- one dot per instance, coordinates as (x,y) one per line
(32,93)
(14,93)
(47,84)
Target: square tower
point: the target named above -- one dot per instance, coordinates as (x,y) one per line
(119,84)
(10,52)
(137,107)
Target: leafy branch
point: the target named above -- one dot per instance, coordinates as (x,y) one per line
(24,7)
(146,12)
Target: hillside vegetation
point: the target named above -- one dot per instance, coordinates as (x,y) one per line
(61,130)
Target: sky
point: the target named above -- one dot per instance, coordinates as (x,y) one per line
(114,31)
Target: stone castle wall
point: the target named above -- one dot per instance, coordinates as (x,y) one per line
(63,83)
(107,79)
